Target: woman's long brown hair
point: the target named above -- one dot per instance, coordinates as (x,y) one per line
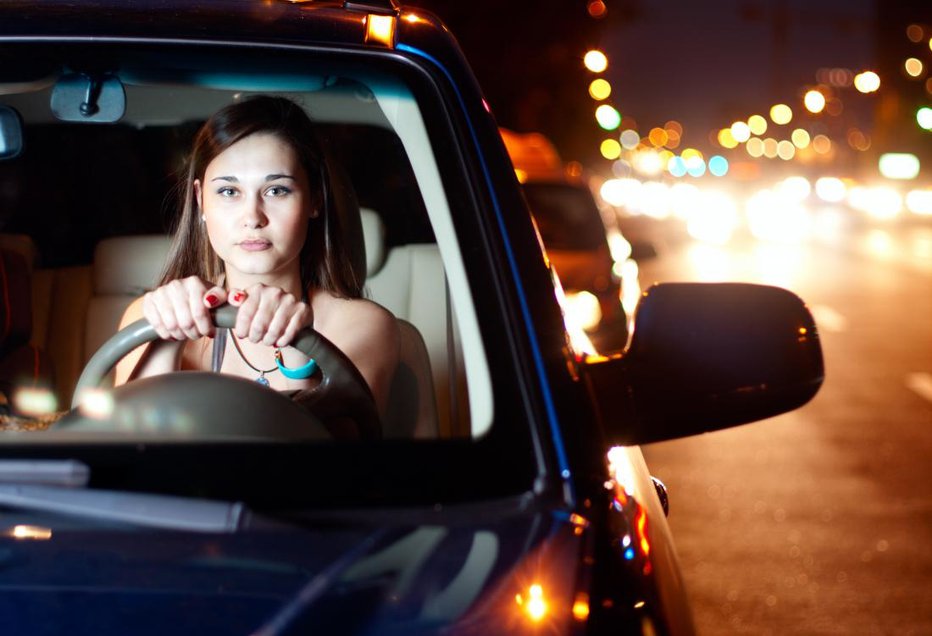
(324,261)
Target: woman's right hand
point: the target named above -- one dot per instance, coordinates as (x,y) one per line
(180,309)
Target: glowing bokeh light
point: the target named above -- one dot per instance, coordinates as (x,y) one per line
(924,118)
(596,9)
(770,148)
(781,114)
(718,165)
(867,82)
(658,137)
(755,147)
(831,189)
(914,33)
(608,117)
(599,89)
(695,165)
(676,166)
(800,138)
(898,165)
(785,149)
(610,149)
(648,162)
(757,124)
(726,139)
(882,203)
(629,139)
(822,144)
(913,67)
(814,101)
(595,61)
(919,202)
(740,131)
(858,140)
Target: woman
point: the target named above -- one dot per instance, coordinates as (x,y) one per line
(257,231)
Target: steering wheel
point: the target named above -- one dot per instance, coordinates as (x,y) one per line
(200,403)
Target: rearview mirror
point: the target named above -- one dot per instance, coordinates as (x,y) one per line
(88,98)
(706,356)
(11,133)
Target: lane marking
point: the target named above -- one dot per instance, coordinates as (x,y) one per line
(921,383)
(827,319)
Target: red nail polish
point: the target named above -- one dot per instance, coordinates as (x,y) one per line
(238,297)
(211,300)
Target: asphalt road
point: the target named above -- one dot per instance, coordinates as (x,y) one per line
(818,521)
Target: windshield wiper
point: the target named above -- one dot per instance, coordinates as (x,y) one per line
(47,472)
(56,486)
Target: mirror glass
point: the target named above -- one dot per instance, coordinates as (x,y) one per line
(11,133)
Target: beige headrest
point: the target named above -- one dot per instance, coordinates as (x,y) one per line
(373,234)
(129,265)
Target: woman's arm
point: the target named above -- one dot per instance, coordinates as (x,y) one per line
(161,356)
(368,334)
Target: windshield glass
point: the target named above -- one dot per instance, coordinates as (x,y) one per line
(93,207)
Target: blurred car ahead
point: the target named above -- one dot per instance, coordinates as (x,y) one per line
(591,257)
(503,492)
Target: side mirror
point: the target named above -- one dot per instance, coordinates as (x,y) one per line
(706,356)
(11,133)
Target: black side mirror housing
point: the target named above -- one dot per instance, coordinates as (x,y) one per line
(11,133)
(706,356)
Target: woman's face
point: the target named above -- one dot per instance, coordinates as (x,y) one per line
(256,203)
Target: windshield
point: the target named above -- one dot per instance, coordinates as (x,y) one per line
(90,218)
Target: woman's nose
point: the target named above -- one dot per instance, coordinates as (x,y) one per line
(254,213)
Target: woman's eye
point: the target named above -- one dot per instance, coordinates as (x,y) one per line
(278,191)
(226,191)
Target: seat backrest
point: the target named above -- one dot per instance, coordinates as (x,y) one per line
(409,281)
(125,267)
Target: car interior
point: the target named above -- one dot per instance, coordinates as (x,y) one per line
(87,209)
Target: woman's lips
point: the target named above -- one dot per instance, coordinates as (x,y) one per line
(255,245)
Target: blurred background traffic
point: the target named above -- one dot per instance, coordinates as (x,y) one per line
(784,142)
(782,121)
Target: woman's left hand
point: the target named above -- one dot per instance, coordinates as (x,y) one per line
(269,315)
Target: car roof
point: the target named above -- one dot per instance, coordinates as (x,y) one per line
(280,21)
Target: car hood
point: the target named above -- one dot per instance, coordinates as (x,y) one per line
(406,572)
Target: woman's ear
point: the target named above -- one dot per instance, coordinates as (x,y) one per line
(198,195)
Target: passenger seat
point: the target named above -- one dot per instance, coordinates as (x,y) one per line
(409,281)
(124,268)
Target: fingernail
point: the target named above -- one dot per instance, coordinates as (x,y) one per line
(238,297)
(211,300)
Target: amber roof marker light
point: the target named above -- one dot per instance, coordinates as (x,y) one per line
(381,20)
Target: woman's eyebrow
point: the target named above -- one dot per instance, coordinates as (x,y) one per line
(230,179)
(273,177)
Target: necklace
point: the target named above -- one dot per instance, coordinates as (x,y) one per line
(261,379)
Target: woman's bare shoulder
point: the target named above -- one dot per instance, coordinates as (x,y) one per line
(133,312)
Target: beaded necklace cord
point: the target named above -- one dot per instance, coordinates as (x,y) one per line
(299,373)
(261,379)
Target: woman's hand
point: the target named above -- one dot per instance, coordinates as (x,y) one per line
(180,309)
(269,315)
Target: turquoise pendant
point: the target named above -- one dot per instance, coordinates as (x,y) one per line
(300,373)
(262,380)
